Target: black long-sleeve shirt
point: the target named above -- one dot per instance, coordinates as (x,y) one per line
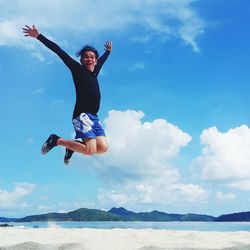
(88,94)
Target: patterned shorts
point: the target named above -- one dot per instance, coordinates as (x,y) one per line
(87,125)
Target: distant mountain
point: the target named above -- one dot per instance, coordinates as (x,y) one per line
(197,217)
(243,216)
(3,219)
(157,216)
(122,214)
(114,214)
(82,214)
(121,211)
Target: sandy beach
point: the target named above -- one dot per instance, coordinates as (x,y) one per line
(118,239)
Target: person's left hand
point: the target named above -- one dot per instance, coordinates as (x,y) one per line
(108,46)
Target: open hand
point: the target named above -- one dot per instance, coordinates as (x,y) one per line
(32,32)
(108,46)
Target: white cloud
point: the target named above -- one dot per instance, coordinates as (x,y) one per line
(38,56)
(46,208)
(13,198)
(156,192)
(57,102)
(225,197)
(163,17)
(192,27)
(11,33)
(38,91)
(225,155)
(141,39)
(136,66)
(243,185)
(64,207)
(139,148)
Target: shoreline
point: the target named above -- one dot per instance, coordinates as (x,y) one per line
(119,239)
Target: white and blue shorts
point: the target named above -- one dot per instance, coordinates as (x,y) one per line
(87,125)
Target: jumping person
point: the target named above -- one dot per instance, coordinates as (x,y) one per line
(85,120)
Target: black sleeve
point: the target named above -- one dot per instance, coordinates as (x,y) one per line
(70,62)
(101,61)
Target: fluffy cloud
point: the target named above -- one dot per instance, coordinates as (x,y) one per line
(140,149)
(225,155)
(157,193)
(13,198)
(64,207)
(10,33)
(243,185)
(160,17)
(225,197)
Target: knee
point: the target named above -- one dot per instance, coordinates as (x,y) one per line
(102,149)
(90,151)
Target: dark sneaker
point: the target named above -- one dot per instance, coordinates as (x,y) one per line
(69,153)
(67,156)
(49,144)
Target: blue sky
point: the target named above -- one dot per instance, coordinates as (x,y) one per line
(175,106)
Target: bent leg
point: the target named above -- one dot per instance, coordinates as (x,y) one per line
(72,145)
(69,153)
(102,144)
(96,145)
(91,146)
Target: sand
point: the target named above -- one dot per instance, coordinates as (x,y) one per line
(118,239)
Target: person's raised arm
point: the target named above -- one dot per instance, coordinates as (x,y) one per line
(103,58)
(33,32)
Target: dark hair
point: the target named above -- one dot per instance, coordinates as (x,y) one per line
(87,48)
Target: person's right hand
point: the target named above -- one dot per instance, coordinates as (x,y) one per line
(32,32)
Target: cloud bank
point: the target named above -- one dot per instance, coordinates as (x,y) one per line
(139,169)
(166,18)
(14,199)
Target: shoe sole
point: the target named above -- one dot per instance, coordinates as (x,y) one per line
(44,149)
(66,159)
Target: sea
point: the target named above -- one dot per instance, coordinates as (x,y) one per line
(193,226)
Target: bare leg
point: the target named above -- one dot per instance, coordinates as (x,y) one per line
(93,146)
(102,144)
(72,145)
(96,145)
(69,153)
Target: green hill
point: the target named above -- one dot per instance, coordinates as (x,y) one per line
(82,214)
(157,216)
(122,214)
(243,216)
(114,214)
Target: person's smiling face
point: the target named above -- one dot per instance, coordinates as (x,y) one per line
(89,60)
